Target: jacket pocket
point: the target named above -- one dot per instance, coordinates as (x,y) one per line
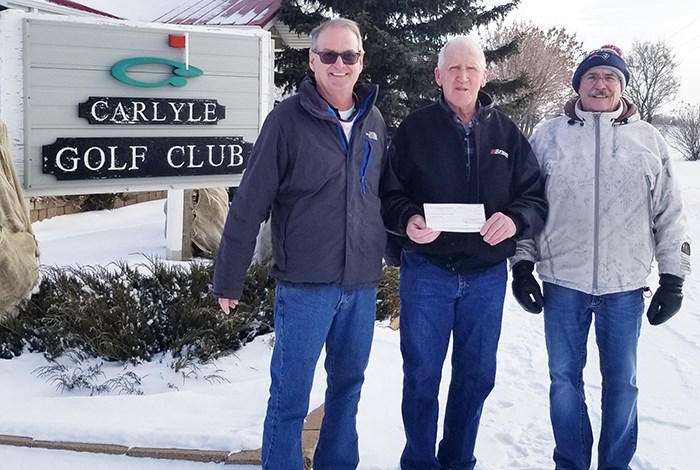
(367,158)
(547,174)
(279,235)
(652,229)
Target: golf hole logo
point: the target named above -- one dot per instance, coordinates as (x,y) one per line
(181,70)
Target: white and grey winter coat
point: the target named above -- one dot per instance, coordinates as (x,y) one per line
(614,204)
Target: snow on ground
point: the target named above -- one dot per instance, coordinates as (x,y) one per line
(196,408)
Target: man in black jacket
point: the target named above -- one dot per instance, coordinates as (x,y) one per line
(458,150)
(316,166)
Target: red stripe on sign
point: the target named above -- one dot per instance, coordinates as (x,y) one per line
(176,40)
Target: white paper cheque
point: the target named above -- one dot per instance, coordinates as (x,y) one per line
(455,217)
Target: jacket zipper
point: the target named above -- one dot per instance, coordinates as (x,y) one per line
(596,202)
(346,147)
(343,139)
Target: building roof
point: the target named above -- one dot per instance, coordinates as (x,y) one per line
(260,13)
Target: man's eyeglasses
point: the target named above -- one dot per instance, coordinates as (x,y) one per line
(329,57)
(608,78)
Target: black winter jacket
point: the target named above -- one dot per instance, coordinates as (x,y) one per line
(322,191)
(427,163)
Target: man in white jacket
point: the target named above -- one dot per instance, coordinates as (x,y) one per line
(614,206)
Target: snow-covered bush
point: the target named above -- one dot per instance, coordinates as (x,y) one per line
(130,313)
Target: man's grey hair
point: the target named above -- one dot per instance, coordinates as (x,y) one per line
(466,40)
(344,22)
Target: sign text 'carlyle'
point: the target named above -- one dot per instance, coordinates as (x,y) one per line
(118,110)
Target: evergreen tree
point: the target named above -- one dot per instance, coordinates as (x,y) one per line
(401,43)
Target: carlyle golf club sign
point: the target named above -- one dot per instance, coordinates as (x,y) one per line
(100,105)
(123,157)
(82,158)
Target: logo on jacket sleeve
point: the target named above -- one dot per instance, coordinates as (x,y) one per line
(499,152)
(372,135)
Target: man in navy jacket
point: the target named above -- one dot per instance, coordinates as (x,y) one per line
(316,167)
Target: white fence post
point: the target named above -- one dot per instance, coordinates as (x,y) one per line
(174,216)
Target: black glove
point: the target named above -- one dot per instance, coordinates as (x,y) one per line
(525,288)
(667,300)
(392,251)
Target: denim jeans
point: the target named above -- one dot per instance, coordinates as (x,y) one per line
(618,320)
(305,319)
(436,303)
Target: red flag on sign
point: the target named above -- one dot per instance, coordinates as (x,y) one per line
(177,40)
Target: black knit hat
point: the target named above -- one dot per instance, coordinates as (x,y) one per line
(608,56)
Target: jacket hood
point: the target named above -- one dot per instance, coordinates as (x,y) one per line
(365,95)
(629,112)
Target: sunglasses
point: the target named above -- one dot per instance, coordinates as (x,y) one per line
(329,57)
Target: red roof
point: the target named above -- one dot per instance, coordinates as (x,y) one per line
(223,12)
(78,6)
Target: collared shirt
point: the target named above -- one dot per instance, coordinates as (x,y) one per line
(466,132)
(465,129)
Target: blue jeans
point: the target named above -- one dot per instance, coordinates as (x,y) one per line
(436,303)
(305,319)
(618,320)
